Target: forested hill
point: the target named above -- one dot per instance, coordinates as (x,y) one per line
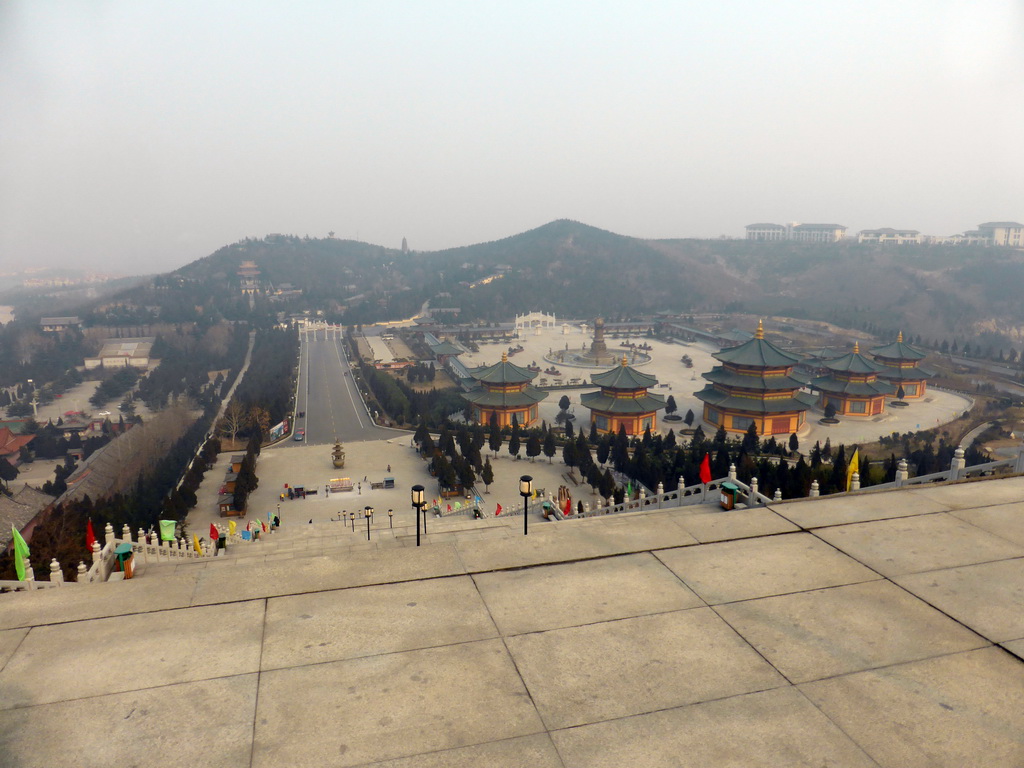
(575,270)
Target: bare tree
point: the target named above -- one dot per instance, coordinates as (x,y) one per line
(233,421)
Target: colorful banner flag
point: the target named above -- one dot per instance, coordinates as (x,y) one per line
(497,511)
(629,490)
(854,467)
(568,506)
(196,545)
(214,533)
(90,536)
(167,530)
(705,469)
(21,553)
(231,527)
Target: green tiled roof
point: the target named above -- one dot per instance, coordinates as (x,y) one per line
(445,348)
(483,397)
(757,352)
(859,388)
(899,350)
(597,401)
(624,377)
(502,373)
(801,401)
(916,373)
(854,362)
(725,377)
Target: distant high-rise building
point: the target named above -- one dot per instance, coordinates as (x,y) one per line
(405,245)
(1008,233)
(767,232)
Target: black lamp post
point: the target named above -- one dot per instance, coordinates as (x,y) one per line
(526,491)
(418,502)
(368,513)
(352,520)
(391,518)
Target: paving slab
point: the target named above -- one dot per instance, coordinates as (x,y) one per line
(348,623)
(631,666)
(772,728)
(206,723)
(973,493)
(523,752)
(573,540)
(1004,520)
(126,653)
(9,641)
(770,565)
(722,525)
(319,573)
(811,635)
(1015,647)
(857,508)
(966,709)
(555,596)
(357,711)
(988,598)
(916,544)
(92,601)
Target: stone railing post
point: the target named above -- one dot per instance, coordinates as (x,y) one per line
(83,573)
(855,481)
(778,495)
(108,533)
(682,485)
(56,575)
(95,551)
(815,490)
(753,492)
(732,471)
(126,533)
(957,465)
(902,475)
(586,508)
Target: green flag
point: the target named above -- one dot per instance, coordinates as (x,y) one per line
(167,530)
(20,553)
(629,489)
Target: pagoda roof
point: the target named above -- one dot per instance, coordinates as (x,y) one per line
(858,388)
(800,401)
(757,352)
(727,378)
(624,376)
(598,401)
(11,443)
(899,350)
(854,362)
(917,373)
(503,373)
(488,399)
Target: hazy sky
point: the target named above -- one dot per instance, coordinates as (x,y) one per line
(137,136)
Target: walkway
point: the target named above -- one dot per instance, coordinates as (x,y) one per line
(883,629)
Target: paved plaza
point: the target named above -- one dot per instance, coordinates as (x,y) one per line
(881,629)
(938,407)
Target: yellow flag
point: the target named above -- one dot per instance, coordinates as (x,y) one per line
(854,467)
(195,543)
(231,527)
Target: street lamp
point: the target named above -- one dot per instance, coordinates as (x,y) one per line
(391,518)
(418,502)
(352,520)
(368,513)
(526,491)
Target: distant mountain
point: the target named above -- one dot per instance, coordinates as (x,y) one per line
(575,270)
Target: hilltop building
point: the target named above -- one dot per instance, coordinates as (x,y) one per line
(59,324)
(249,277)
(756,385)
(1007,233)
(504,390)
(804,233)
(889,236)
(902,368)
(852,386)
(118,353)
(623,401)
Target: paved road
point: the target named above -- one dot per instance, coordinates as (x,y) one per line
(329,397)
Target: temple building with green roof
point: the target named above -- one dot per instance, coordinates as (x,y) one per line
(504,390)
(902,368)
(851,385)
(623,400)
(755,385)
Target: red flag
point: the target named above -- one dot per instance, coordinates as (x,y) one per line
(90,537)
(705,469)
(449,507)
(497,511)
(568,507)
(214,533)
(261,523)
